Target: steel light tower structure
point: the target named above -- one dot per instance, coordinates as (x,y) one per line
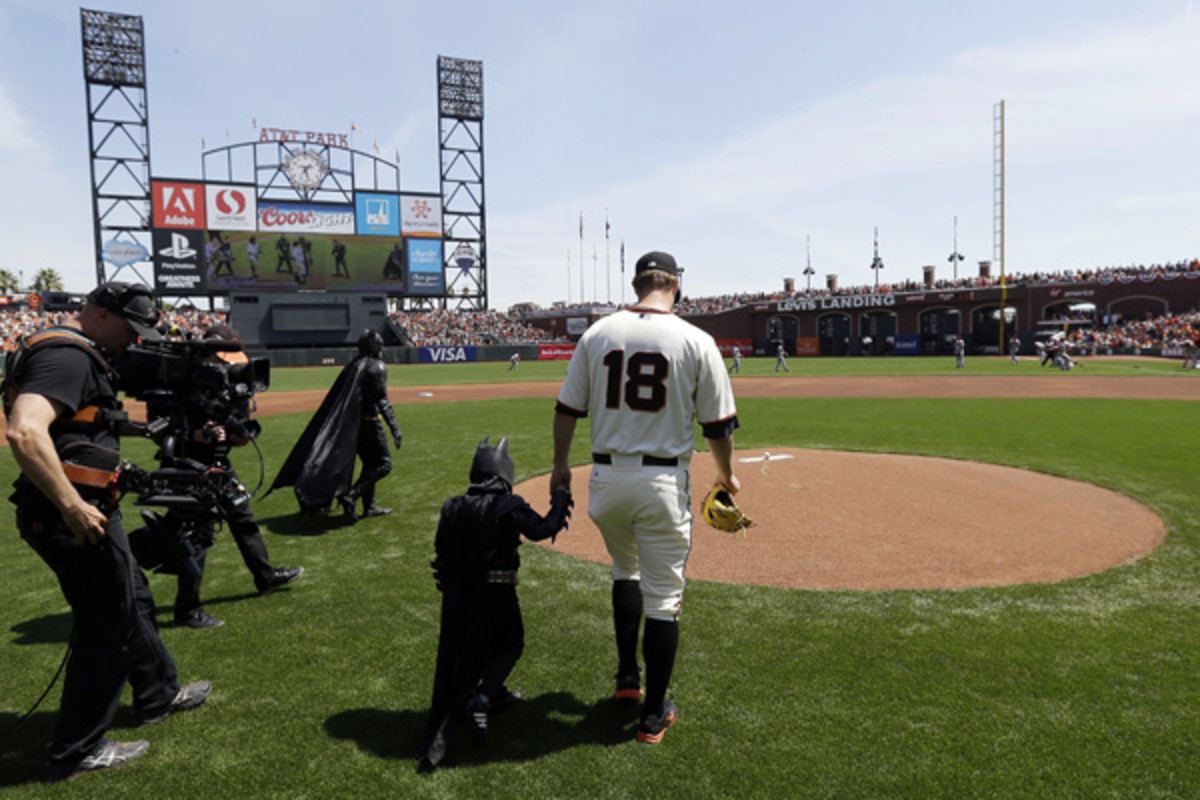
(114,73)
(955,256)
(460,143)
(998,207)
(808,269)
(877,262)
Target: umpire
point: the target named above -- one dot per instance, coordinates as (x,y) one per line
(63,420)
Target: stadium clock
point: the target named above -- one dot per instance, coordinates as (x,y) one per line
(305,169)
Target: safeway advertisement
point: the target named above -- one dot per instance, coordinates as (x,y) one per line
(305,218)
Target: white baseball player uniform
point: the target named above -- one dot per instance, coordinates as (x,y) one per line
(644,376)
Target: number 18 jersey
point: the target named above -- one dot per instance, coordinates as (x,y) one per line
(645,376)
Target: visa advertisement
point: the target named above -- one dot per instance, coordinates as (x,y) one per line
(425,273)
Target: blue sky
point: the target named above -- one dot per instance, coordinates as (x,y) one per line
(725,133)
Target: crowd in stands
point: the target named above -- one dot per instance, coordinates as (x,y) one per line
(715,305)
(1171,330)
(184,323)
(444,328)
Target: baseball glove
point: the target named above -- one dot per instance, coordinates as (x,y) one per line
(721,511)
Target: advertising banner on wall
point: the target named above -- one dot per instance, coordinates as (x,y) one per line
(377,214)
(445,355)
(305,218)
(291,261)
(421,215)
(908,345)
(176,204)
(178,261)
(808,346)
(556,352)
(230,207)
(425,274)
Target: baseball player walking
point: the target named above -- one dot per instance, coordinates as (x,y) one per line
(960,352)
(1014,349)
(737,361)
(781,358)
(645,375)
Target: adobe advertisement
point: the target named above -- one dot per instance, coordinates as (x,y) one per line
(177,204)
(425,273)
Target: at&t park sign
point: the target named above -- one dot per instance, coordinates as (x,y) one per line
(844,301)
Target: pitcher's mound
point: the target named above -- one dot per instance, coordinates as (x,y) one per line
(837,520)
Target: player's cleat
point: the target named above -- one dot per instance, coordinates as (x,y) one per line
(187,698)
(108,754)
(655,725)
(476,712)
(347,504)
(629,687)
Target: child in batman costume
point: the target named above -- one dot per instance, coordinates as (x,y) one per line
(482,634)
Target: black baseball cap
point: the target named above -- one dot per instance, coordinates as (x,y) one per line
(134,302)
(664,262)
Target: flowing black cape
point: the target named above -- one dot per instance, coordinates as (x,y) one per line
(464,538)
(321,465)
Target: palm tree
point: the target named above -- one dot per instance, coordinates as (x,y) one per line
(47,280)
(9,282)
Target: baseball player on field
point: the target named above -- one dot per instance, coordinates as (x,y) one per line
(644,375)
(781,358)
(737,361)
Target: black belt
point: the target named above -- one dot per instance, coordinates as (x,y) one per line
(647,461)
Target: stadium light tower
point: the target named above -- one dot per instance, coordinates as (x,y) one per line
(808,270)
(955,256)
(877,262)
(464,221)
(114,73)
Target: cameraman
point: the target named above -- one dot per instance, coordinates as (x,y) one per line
(63,425)
(208,442)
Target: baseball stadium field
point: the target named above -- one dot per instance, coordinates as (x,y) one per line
(1083,686)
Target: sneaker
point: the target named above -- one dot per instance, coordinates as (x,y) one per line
(187,698)
(109,754)
(377,511)
(198,618)
(277,577)
(629,687)
(655,725)
(476,712)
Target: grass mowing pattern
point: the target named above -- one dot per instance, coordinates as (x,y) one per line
(1085,688)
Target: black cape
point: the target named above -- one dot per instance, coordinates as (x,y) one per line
(321,465)
(464,541)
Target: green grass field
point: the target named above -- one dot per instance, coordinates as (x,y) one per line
(1083,689)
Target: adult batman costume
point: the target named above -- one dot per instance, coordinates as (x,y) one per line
(482,634)
(321,465)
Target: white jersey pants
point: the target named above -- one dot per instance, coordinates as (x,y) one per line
(645,515)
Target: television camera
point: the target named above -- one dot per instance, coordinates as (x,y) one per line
(188,386)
